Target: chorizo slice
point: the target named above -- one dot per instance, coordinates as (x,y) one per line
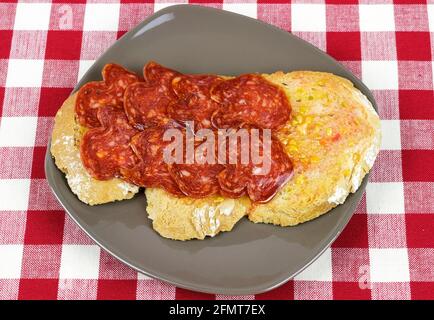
(157,74)
(145,176)
(151,170)
(233,181)
(96,94)
(258,181)
(263,187)
(195,103)
(197,177)
(250,100)
(146,105)
(196,180)
(114,74)
(106,149)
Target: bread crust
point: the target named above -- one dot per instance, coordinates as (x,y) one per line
(187,218)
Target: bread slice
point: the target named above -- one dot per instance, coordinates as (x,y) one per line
(65,141)
(333,139)
(327,166)
(324,105)
(187,218)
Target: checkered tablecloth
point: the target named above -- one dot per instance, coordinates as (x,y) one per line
(386,251)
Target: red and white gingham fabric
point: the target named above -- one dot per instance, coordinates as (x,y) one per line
(387,250)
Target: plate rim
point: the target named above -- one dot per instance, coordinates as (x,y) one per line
(337,229)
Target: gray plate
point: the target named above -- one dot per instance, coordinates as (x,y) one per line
(252,258)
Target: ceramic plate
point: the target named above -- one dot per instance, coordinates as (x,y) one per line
(252,258)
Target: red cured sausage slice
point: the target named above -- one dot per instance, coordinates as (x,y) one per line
(97,94)
(157,74)
(250,99)
(198,179)
(105,150)
(233,181)
(114,74)
(194,86)
(146,105)
(195,104)
(146,176)
(261,186)
(151,171)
